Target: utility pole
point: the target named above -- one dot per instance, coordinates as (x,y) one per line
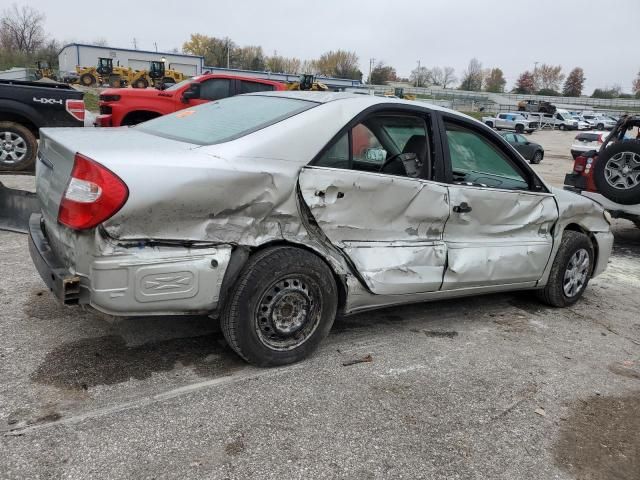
(155,44)
(371,60)
(135,43)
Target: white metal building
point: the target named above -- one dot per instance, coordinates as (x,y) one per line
(87,55)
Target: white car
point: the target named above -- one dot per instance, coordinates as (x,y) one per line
(586,141)
(582,123)
(600,122)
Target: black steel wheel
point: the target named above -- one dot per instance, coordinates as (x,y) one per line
(281,307)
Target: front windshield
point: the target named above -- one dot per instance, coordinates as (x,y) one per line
(178,85)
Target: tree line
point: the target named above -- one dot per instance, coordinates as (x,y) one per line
(23,41)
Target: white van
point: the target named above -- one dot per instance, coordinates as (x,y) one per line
(561,119)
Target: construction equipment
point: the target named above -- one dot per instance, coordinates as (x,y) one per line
(157,76)
(105,72)
(307,82)
(43,70)
(398,92)
(536,106)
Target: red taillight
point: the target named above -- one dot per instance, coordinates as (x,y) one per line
(579,164)
(76,109)
(93,194)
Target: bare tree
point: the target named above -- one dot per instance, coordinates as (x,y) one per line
(437,75)
(22,29)
(473,76)
(448,76)
(636,86)
(421,77)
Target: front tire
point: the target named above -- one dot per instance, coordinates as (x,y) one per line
(520,129)
(281,307)
(570,271)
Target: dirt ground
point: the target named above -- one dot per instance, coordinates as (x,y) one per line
(497,386)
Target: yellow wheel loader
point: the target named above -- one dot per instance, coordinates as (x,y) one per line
(307,82)
(105,72)
(44,71)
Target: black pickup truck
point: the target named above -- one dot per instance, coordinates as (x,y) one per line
(26,107)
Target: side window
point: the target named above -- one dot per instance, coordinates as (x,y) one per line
(478,161)
(521,139)
(337,156)
(215,89)
(378,144)
(502,116)
(250,87)
(510,137)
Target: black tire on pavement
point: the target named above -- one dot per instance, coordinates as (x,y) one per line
(281,306)
(489,124)
(537,157)
(141,83)
(519,128)
(18,147)
(562,127)
(569,266)
(600,126)
(87,80)
(617,172)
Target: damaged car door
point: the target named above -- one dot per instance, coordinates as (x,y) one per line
(499,231)
(369,193)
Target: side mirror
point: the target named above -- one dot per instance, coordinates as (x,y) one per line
(192,92)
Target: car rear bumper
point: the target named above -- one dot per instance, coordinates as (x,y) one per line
(64,285)
(139,280)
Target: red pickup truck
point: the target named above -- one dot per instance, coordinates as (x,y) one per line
(129,106)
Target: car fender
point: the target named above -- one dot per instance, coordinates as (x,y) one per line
(22,109)
(576,212)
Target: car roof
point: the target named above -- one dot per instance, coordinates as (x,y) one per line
(365,100)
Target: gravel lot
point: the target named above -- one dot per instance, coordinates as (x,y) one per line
(497,386)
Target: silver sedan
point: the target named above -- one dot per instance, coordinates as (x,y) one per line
(274,212)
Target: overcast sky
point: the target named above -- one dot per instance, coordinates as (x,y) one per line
(599,36)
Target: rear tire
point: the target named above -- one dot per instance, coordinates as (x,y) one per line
(617,172)
(570,271)
(600,126)
(562,127)
(489,124)
(18,147)
(141,83)
(281,307)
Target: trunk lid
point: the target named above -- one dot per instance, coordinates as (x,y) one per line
(58,148)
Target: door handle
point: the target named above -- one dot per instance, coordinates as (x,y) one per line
(464,207)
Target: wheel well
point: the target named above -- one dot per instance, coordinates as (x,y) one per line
(22,120)
(138,116)
(574,227)
(340,281)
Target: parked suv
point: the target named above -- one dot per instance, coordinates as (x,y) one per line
(129,106)
(600,122)
(587,141)
(610,174)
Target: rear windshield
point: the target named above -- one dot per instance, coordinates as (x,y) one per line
(589,137)
(224,120)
